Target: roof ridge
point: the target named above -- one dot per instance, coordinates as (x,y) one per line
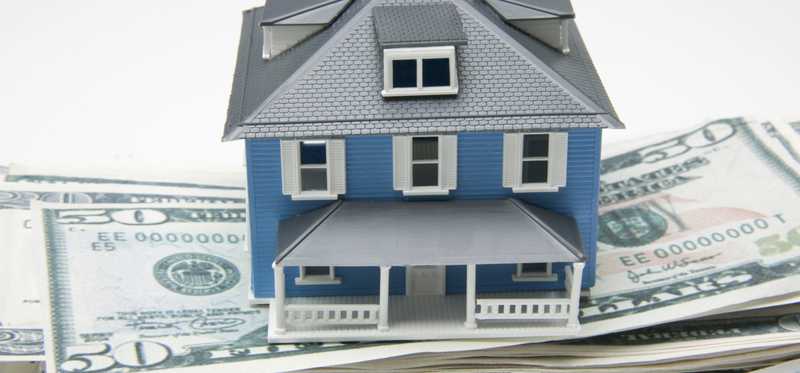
(533,7)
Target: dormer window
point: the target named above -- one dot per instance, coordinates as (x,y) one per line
(419,71)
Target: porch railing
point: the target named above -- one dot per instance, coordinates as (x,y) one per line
(332,314)
(522,309)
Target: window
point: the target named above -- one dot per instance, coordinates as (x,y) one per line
(313,169)
(535,162)
(425,165)
(534,272)
(425,162)
(313,166)
(317,275)
(420,71)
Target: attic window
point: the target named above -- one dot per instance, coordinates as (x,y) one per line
(420,71)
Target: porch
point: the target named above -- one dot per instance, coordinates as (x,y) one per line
(427,234)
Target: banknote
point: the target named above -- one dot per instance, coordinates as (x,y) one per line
(21,367)
(21,315)
(795,126)
(709,218)
(154,176)
(149,287)
(684,340)
(3,172)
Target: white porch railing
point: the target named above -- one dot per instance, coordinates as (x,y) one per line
(522,309)
(332,314)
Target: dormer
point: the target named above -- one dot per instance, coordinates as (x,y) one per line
(544,20)
(418,44)
(286,23)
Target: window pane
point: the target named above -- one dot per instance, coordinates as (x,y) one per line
(424,175)
(318,271)
(534,268)
(312,152)
(436,72)
(534,172)
(535,146)
(314,179)
(425,148)
(405,73)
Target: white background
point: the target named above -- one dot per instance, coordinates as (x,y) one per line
(146,82)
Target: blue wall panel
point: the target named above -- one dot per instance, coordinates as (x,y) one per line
(369,176)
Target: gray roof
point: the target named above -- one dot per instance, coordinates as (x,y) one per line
(301,11)
(418,25)
(372,233)
(330,84)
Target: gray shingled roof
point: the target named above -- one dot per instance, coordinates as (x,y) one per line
(418,26)
(331,83)
(312,11)
(561,8)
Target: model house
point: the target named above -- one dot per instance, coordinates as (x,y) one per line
(419,169)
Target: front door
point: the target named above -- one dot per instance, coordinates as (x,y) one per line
(425,280)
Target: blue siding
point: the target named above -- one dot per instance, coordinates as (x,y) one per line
(369,176)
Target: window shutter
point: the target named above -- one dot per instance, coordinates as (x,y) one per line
(512,166)
(337,166)
(401,148)
(290,167)
(557,167)
(449,161)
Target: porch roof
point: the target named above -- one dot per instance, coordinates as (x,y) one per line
(455,232)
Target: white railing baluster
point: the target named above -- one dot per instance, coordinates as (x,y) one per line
(332,314)
(522,309)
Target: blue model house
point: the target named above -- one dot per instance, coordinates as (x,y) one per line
(419,169)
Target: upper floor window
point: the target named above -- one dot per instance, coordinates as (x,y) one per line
(535,162)
(425,165)
(419,71)
(313,169)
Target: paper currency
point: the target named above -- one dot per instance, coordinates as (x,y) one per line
(159,177)
(795,126)
(692,223)
(21,368)
(718,336)
(21,315)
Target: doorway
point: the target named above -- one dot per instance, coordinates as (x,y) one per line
(425,280)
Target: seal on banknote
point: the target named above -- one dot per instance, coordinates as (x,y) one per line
(196,274)
(21,342)
(631,227)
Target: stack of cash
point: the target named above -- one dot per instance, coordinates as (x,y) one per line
(698,269)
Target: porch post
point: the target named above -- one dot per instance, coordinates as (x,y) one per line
(383,313)
(575,293)
(280,299)
(470,322)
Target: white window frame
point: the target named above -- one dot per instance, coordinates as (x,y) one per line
(447,177)
(513,148)
(418,54)
(317,193)
(329,279)
(546,276)
(438,162)
(292,169)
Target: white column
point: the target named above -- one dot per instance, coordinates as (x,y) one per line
(470,321)
(383,313)
(575,294)
(280,299)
